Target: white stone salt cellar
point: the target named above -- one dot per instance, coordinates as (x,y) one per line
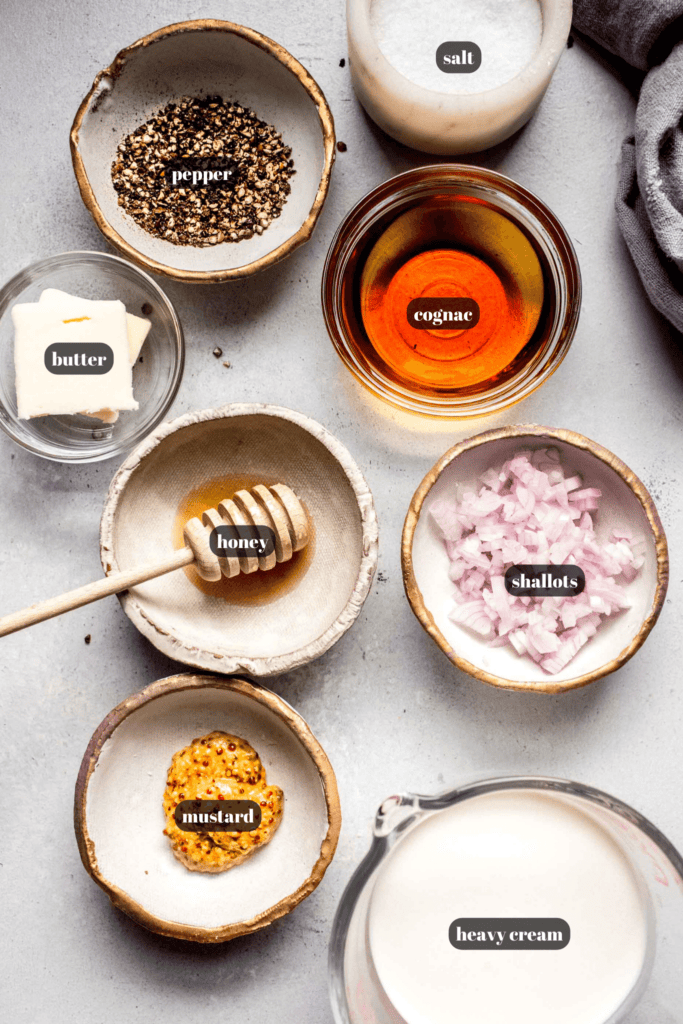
(417,84)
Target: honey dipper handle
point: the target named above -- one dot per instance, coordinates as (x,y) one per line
(113,584)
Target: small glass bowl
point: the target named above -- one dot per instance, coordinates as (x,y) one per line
(156,375)
(369,219)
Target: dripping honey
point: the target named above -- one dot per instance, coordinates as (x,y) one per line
(442,250)
(254,588)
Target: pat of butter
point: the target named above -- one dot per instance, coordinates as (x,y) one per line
(42,393)
(67,306)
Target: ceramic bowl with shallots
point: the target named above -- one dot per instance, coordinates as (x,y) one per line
(493,538)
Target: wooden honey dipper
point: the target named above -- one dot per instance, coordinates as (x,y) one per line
(276,507)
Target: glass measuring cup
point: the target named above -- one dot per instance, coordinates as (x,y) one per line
(359,997)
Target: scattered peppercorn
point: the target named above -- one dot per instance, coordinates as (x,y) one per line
(342,63)
(88,638)
(218,352)
(198,129)
(342,147)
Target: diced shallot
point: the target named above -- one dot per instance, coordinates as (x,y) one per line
(528,512)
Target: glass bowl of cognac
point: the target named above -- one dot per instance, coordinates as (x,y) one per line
(451,291)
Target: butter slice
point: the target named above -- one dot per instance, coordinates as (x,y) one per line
(68,306)
(42,393)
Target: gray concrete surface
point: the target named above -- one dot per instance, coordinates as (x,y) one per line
(386,705)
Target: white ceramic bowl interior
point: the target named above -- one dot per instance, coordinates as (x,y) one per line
(619,506)
(265,444)
(125,819)
(202,61)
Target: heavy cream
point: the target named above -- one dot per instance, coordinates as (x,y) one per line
(514,856)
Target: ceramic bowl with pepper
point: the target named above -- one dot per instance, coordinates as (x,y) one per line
(204,151)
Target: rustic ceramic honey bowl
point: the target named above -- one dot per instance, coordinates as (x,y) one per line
(200,58)
(625,503)
(250,444)
(119,817)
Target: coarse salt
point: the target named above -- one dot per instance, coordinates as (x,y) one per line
(508,33)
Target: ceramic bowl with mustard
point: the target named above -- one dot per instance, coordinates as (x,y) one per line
(212,884)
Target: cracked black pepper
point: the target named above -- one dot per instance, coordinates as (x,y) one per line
(206,131)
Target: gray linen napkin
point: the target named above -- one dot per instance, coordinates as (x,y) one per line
(638,31)
(650,192)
